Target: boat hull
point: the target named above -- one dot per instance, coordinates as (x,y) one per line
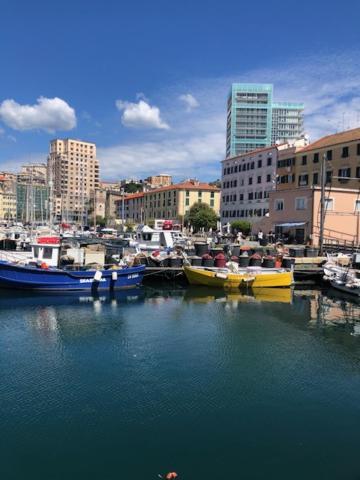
(262,279)
(343,288)
(56,280)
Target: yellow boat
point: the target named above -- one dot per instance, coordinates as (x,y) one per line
(253,277)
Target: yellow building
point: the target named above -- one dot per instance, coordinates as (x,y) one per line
(301,168)
(171,202)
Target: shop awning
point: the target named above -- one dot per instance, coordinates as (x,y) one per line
(290,224)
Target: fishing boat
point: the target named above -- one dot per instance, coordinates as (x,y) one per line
(38,278)
(253,277)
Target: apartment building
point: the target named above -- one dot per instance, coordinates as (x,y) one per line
(157,181)
(247,181)
(171,202)
(295,205)
(32,193)
(7,196)
(341,152)
(254,121)
(74,176)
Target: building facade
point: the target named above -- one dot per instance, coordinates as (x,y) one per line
(32,194)
(73,176)
(7,196)
(295,215)
(157,181)
(247,181)
(295,205)
(287,122)
(254,121)
(171,202)
(339,152)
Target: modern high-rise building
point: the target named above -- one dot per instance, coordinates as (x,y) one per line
(32,194)
(254,121)
(73,171)
(287,122)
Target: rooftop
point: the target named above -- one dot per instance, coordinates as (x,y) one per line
(334,139)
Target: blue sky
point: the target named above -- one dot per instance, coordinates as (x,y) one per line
(147,81)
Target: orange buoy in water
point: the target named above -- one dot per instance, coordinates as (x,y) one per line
(171,475)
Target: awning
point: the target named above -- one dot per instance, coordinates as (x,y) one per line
(291,224)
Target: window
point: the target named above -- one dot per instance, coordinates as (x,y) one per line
(279,205)
(300,203)
(259,164)
(269,162)
(304,160)
(358,149)
(328,176)
(316,158)
(303,180)
(357,206)
(357,172)
(329,203)
(241,197)
(315,178)
(345,152)
(329,155)
(47,255)
(268,177)
(251,196)
(250,180)
(187,201)
(259,179)
(344,173)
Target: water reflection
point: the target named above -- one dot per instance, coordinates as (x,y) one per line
(79,312)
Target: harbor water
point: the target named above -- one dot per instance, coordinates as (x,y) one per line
(128,386)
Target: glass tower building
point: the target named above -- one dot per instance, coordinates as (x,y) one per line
(254,121)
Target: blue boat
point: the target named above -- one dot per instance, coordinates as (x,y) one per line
(31,277)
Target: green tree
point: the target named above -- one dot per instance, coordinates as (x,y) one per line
(201,215)
(241,226)
(133,187)
(100,221)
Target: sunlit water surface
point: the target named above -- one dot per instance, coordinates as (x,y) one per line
(213,386)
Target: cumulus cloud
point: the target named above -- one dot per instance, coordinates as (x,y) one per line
(48,114)
(190,101)
(195,156)
(140,115)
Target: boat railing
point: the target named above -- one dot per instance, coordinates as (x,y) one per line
(9,256)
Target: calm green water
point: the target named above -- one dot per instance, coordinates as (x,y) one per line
(210,386)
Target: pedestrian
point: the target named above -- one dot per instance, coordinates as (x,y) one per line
(260,235)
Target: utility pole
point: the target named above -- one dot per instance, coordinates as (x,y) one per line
(322,205)
(122,191)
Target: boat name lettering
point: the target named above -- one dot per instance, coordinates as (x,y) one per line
(90,280)
(133,275)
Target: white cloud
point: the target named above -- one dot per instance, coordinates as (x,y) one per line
(196,156)
(14,164)
(190,101)
(49,114)
(140,115)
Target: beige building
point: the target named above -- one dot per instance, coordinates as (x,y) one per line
(157,181)
(295,205)
(74,174)
(171,202)
(302,168)
(296,214)
(7,196)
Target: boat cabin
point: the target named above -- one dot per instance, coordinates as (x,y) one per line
(46,253)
